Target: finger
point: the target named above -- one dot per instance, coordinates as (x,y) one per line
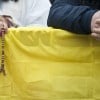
(97,21)
(96,36)
(96,30)
(3,26)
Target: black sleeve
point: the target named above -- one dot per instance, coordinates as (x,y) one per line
(51,1)
(75,18)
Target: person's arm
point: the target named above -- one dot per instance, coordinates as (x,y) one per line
(72,17)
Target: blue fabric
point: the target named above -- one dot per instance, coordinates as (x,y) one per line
(73,15)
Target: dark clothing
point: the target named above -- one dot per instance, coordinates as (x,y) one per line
(51,1)
(73,15)
(9,0)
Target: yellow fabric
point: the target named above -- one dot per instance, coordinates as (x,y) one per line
(50,64)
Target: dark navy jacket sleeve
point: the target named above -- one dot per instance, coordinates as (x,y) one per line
(72,17)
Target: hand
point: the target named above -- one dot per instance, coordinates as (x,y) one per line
(3,25)
(95,25)
(10,21)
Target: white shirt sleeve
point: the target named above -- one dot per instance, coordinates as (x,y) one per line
(11,9)
(37,12)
